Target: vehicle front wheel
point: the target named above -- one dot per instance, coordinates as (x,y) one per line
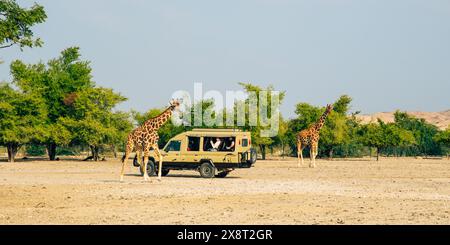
(222,174)
(150,168)
(207,170)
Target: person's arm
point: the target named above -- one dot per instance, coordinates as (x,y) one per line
(231,146)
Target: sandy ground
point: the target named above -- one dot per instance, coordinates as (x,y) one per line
(392,191)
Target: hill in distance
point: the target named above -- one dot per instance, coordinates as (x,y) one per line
(440,119)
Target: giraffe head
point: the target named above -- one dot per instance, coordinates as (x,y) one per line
(174,104)
(329,108)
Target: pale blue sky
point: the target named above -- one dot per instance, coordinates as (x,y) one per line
(387,55)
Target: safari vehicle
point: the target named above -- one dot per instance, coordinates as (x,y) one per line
(212,152)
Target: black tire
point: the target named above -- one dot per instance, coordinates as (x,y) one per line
(207,170)
(136,162)
(164,172)
(150,168)
(253,156)
(222,174)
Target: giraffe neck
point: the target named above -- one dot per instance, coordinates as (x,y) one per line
(156,122)
(321,121)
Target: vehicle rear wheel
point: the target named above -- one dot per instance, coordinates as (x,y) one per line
(136,162)
(150,168)
(253,156)
(222,174)
(207,170)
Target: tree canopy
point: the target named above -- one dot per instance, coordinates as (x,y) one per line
(16,23)
(77,111)
(257,137)
(21,118)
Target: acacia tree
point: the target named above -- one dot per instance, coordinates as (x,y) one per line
(282,138)
(58,83)
(21,117)
(257,138)
(16,23)
(383,135)
(93,122)
(423,132)
(443,138)
(335,132)
(122,125)
(371,135)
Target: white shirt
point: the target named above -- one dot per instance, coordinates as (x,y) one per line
(215,145)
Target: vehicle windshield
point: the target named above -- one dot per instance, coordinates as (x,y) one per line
(173,145)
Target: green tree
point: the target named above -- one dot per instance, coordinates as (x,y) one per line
(122,125)
(443,138)
(371,135)
(59,84)
(383,135)
(282,139)
(21,117)
(257,138)
(335,132)
(93,122)
(423,133)
(16,23)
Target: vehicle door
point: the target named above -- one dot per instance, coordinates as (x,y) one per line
(172,151)
(191,153)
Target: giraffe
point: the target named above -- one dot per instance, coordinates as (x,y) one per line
(145,137)
(310,137)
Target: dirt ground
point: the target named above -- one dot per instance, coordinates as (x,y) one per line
(392,191)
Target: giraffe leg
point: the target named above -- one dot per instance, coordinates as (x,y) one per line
(311,156)
(155,147)
(299,153)
(125,158)
(316,151)
(146,154)
(139,155)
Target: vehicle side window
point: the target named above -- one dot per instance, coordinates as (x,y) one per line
(174,145)
(219,143)
(193,144)
(244,142)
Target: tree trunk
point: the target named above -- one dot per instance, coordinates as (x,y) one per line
(113,148)
(263,151)
(94,150)
(378,153)
(282,150)
(330,154)
(12,151)
(51,150)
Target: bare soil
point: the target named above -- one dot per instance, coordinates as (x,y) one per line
(391,191)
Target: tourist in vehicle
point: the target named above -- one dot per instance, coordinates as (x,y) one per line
(230,144)
(215,145)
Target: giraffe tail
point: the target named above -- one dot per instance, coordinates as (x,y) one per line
(123,158)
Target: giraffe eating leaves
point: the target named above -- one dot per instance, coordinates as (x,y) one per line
(310,137)
(145,137)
